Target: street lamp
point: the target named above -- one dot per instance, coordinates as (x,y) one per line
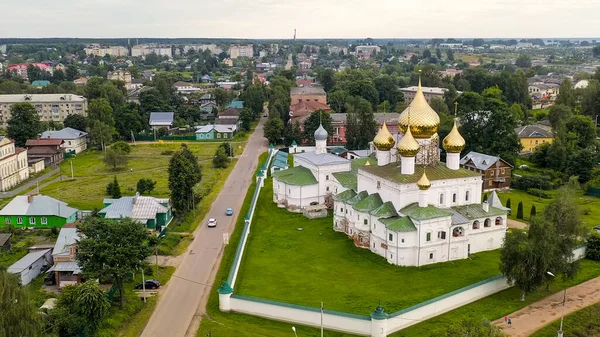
(294,330)
(562,315)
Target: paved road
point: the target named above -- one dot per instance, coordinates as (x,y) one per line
(180,301)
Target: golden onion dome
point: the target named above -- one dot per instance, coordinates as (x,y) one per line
(384,141)
(454,142)
(424,121)
(408,146)
(424,183)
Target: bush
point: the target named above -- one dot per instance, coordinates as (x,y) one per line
(538,193)
(532,212)
(593,247)
(520,210)
(121,147)
(526,182)
(145,185)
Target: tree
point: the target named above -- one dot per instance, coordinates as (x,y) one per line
(327,79)
(566,94)
(114,248)
(517,89)
(273,130)
(184,174)
(581,131)
(388,90)
(520,210)
(559,113)
(293,133)
(76,121)
(100,133)
(311,124)
(113,189)
(596,51)
(508,204)
(79,309)
(72,73)
(254,98)
(593,247)
(532,212)
(101,110)
(426,54)
(121,147)
(362,127)
(145,185)
(24,123)
(19,316)
(220,160)
(246,118)
(523,61)
(450,55)
(366,90)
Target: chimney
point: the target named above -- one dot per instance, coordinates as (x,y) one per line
(485,206)
(29,198)
(137,194)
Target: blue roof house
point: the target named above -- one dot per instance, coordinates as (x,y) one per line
(161,119)
(236,104)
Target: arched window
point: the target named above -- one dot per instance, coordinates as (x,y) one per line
(487,223)
(442,199)
(476,224)
(467,196)
(458,231)
(498,221)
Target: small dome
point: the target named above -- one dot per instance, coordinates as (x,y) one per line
(384,141)
(454,142)
(424,183)
(408,146)
(424,121)
(321,133)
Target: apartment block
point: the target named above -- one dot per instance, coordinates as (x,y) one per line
(98,50)
(50,107)
(13,164)
(144,49)
(241,51)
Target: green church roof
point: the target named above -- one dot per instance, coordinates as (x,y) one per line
(386,210)
(299,175)
(438,172)
(399,224)
(347,179)
(360,196)
(362,162)
(344,196)
(475,211)
(369,203)
(424,213)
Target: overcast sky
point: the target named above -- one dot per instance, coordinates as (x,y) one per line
(311,18)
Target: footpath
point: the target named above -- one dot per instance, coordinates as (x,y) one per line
(32,182)
(543,312)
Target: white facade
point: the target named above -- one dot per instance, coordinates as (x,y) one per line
(13,164)
(241,51)
(30,266)
(50,107)
(98,50)
(143,50)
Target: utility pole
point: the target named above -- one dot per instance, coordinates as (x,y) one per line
(321,319)
(72,172)
(562,315)
(143,285)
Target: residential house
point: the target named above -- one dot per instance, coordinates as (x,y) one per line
(306,100)
(21,69)
(495,171)
(450,72)
(13,164)
(148,75)
(532,136)
(121,75)
(36,211)
(218,131)
(228,62)
(544,91)
(137,83)
(155,213)
(50,107)
(36,165)
(428,92)
(31,265)
(229,116)
(51,150)
(5,243)
(66,269)
(207,98)
(81,81)
(236,104)
(161,120)
(75,141)
(39,84)
(186,88)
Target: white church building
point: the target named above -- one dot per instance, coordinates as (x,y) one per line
(403,204)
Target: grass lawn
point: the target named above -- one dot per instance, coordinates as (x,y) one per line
(21,240)
(131,320)
(497,305)
(87,190)
(317,264)
(583,322)
(588,204)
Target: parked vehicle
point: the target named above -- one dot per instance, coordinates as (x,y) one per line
(150,284)
(212,222)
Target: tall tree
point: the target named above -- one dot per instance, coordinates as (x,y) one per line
(100,110)
(388,90)
(566,94)
(366,90)
(19,316)
(79,310)
(246,118)
(184,174)
(24,123)
(100,133)
(559,113)
(114,248)
(220,160)
(273,130)
(72,73)
(523,61)
(326,78)
(311,124)
(76,121)
(362,127)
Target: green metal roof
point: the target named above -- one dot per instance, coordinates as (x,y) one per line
(299,175)
(294,143)
(475,211)
(386,210)
(424,213)
(360,196)
(338,150)
(347,179)
(361,162)
(399,224)
(439,172)
(369,203)
(344,196)
(279,163)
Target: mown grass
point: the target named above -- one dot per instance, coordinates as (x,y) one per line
(584,322)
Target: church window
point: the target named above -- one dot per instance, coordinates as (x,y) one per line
(342,209)
(357,216)
(476,224)
(442,235)
(290,191)
(346,211)
(373,245)
(487,223)
(327,177)
(366,222)
(391,237)
(467,196)
(431,256)
(391,256)
(453,197)
(402,240)
(428,237)
(498,221)
(441,199)
(327,189)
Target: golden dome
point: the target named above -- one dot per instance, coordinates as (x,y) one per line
(454,142)
(384,141)
(424,121)
(424,183)
(408,146)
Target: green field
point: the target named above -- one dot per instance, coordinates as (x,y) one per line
(583,322)
(88,188)
(316,265)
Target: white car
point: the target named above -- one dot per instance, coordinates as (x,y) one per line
(212,222)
